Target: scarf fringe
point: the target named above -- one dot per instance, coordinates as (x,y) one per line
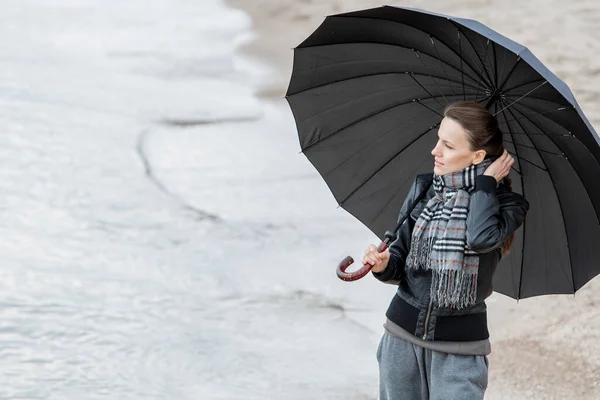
(420,252)
(454,288)
(450,288)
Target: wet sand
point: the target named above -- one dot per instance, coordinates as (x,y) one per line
(542,348)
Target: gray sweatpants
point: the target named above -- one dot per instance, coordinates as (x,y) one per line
(410,372)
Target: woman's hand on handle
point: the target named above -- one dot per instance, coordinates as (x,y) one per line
(379,261)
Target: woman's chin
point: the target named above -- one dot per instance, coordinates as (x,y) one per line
(437,170)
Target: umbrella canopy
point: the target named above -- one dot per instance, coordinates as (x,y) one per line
(367,93)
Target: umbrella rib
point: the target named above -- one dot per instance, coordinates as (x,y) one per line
(537,98)
(518,60)
(461,67)
(429,108)
(559,204)
(442,64)
(523,84)
(526,160)
(362,120)
(542,113)
(550,137)
(438,77)
(534,148)
(495,62)
(522,97)
(540,134)
(417,29)
(389,161)
(440,90)
(487,47)
(427,91)
(473,47)
(524,222)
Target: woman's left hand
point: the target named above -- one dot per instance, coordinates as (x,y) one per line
(500,167)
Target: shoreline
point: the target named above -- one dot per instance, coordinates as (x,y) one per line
(269,17)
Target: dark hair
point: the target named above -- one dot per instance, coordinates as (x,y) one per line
(483,133)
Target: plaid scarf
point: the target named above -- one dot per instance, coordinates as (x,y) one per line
(439,239)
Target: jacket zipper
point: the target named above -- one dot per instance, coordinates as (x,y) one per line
(427,318)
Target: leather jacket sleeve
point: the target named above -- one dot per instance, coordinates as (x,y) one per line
(394,271)
(493,215)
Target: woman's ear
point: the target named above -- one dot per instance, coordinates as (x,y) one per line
(479,156)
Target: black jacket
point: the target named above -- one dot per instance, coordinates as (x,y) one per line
(494,213)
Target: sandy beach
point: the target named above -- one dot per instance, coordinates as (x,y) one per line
(542,348)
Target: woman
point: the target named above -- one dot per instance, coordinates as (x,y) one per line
(436,340)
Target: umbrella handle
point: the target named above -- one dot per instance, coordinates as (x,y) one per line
(389,237)
(355,275)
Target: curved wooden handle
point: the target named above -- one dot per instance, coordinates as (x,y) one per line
(389,238)
(359,273)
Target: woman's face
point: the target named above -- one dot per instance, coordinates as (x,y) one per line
(452,151)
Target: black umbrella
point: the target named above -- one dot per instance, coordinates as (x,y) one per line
(367,93)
